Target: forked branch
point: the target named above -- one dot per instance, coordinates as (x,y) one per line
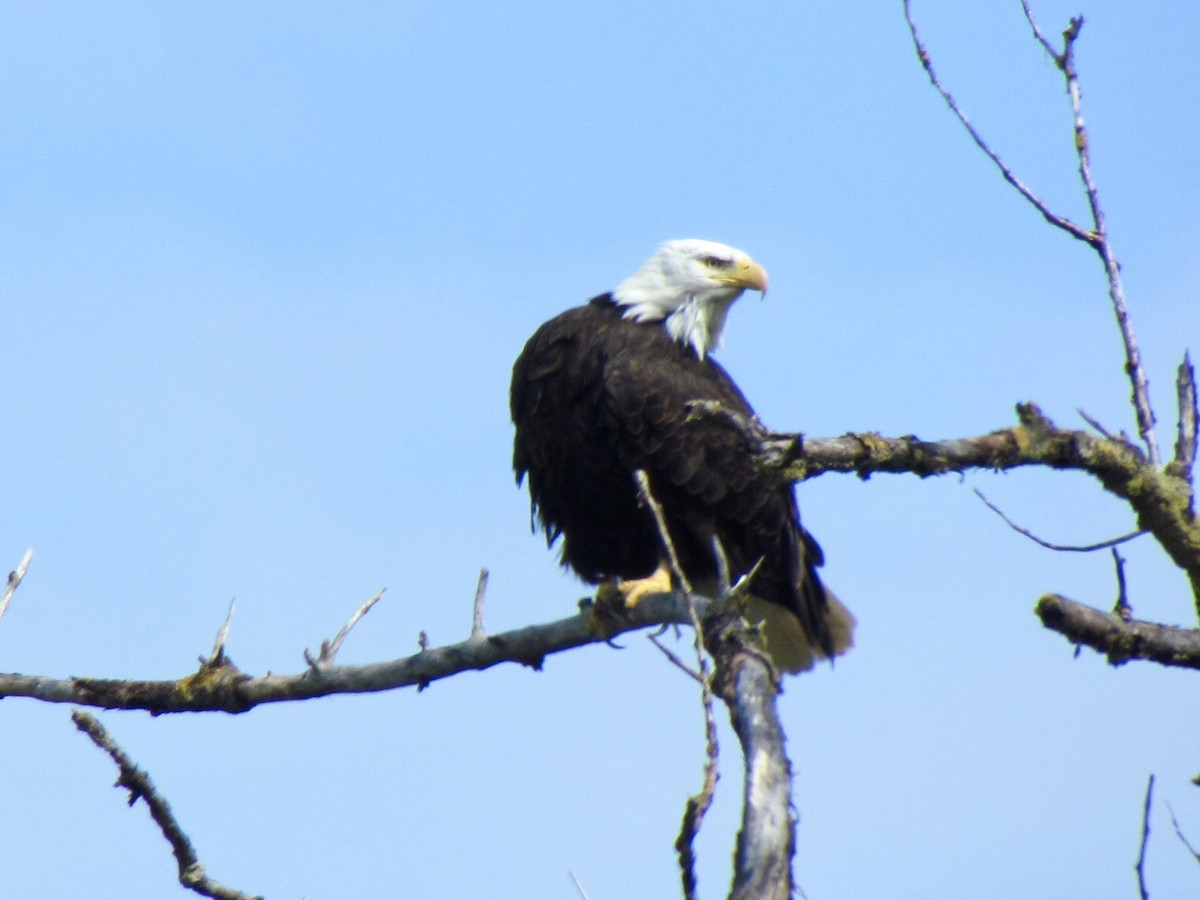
(1096,236)
(747,684)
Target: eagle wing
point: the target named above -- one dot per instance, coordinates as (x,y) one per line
(594,398)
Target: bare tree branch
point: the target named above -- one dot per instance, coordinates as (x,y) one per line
(746,681)
(1140,868)
(1096,424)
(1065,61)
(221,687)
(14,581)
(1116,290)
(1122,608)
(1160,500)
(1117,639)
(579,887)
(139,785)
(1040,205)
(698,804)
(477,631)
(673,658)
(1097,236)
(1061,548)
(1037,32)
(1189,412)
(218,651)
(329,649)
(1182,837)
(642,482)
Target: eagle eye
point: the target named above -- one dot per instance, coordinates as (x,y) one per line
(717,262)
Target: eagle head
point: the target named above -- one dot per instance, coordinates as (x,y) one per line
(689,285)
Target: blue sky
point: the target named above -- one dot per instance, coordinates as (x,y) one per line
(264,269)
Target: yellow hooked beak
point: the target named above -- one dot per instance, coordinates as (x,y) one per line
(749,275)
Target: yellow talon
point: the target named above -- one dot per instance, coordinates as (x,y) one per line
(624,595)
(615,598)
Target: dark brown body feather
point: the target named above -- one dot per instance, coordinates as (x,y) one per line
(595,397)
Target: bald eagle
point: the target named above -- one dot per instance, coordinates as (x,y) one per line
(611,387)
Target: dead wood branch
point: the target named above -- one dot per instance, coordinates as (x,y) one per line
(1140,866)
(221,687)
(1095,237)
(329,649)
(14,581)
(698,804)
(1189,412)
(1119,640)
(139,785)
(478,633)
(1161,501)
(746,682)
(1049,545)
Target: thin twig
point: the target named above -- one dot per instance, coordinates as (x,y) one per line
(723,585)
(1095,423)
(698,804)
(1179,833)
(138,783)
(1097,236)
(674,659)
(1054,219)
(1037,32)
(218,651)
(329,649)
(642,480)
(579,887)
(1062,548)
(1064,61)
(1116,291)
(1140,868)
(1189,412)
(1121,609)
(477,632)
(14,581)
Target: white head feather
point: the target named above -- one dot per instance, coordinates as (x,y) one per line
(689,285)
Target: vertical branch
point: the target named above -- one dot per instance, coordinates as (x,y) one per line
(1185,437)
(697,805)
(767,841)
(477,632)
(1116,290)
(1064,61)
(1140,868)
(1121,609)
(1097,236)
